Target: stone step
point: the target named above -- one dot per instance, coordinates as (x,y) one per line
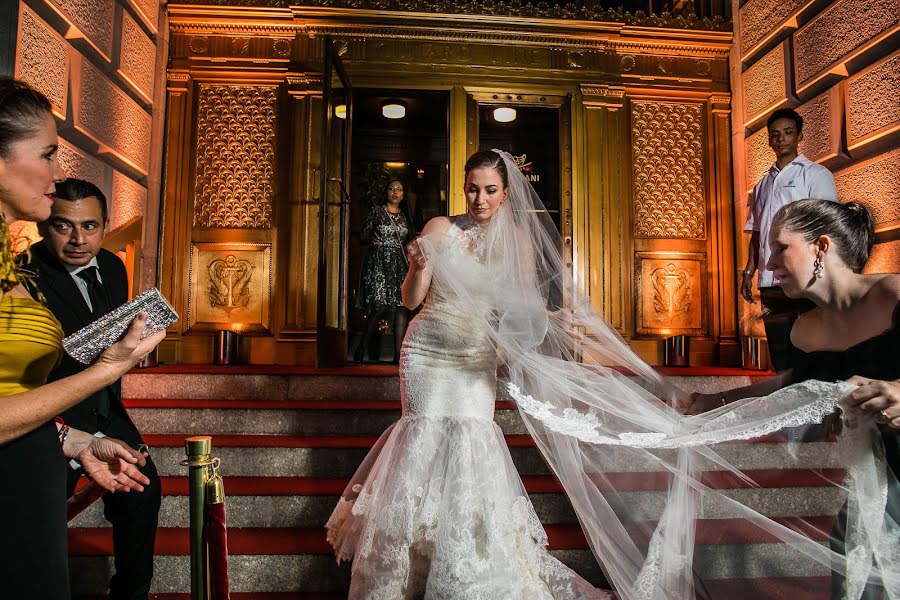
(297,560)
(345,383)
(339,456)
(282,417)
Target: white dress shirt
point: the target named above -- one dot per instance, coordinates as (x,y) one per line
(81,283)
(800,179)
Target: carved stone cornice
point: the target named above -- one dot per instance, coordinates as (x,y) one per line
(585,10)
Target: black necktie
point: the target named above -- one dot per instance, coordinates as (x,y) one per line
(100,307)
(96,293)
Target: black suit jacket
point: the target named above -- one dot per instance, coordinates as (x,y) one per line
(64,300)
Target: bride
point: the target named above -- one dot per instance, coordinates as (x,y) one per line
(437,509)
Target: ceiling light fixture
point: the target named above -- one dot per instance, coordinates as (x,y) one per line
(393,109)
(340,111)
(504,114)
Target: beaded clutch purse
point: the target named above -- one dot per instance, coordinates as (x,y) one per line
(85,344)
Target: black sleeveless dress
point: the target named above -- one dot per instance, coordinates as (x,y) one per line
(876,358)
(33,541)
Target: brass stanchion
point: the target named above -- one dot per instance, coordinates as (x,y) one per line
(199,459)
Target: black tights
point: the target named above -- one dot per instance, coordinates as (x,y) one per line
(401,320)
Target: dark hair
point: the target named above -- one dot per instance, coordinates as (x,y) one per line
(404,204)
(21,110)
(786,113)
(488,159)
(850,225)
(79,189)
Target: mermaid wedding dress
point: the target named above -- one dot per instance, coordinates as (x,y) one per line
(437,509)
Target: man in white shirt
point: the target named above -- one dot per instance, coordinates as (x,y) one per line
(792,177)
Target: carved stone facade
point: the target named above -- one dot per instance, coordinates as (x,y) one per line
(667,148)
(137,57)
(93,19)
(130,199)
(875,183)
(111,117)
(81,165)
(235,169)
(818,48)
(841,65)
(822,126)
(43,58)
(873,102)
(760,18)
(766,84)
(97,65)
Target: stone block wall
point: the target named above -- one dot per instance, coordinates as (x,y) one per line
(837,62)
(96,60)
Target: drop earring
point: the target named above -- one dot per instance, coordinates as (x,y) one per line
(819,268)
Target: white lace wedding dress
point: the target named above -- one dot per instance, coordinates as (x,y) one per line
(437,509)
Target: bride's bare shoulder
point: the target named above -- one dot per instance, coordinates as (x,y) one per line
(437,225)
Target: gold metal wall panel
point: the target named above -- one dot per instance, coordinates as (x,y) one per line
(235,156)
(668,163)
(671,291)
(873,103)
(42,59)
(230,287)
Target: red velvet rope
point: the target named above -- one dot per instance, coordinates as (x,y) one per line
(217,539)
(83,498)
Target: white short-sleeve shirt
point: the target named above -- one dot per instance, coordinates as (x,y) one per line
(799,180)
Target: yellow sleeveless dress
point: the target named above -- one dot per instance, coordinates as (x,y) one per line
(33,553)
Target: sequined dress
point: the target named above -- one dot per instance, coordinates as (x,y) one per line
(437,509)
(384,267)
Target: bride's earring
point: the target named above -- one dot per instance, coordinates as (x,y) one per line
(819,268)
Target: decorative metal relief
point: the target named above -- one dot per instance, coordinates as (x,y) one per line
(235,168)
(230,286)
(671,290)
(669,194)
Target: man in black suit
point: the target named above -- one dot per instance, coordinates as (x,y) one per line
(81,282)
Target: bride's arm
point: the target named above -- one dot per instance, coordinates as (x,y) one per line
(418,277)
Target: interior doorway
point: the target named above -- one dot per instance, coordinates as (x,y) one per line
(399,136)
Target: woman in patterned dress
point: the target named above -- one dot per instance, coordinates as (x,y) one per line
(387,230)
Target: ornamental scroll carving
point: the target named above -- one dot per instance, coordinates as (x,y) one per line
(667,143)
(235,169)
(581,10)
(671,292)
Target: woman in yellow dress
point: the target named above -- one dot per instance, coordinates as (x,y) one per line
(33,554)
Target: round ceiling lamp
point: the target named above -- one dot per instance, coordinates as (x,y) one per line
(504,114)
(393,109)
(340,111)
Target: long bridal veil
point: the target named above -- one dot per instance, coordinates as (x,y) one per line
(671,505)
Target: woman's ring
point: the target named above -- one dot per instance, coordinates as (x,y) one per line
(885,416)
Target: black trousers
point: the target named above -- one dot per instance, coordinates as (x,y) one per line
(133,516)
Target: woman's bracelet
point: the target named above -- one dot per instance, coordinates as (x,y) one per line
(63,433)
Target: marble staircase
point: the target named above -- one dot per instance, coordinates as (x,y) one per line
(290,438)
